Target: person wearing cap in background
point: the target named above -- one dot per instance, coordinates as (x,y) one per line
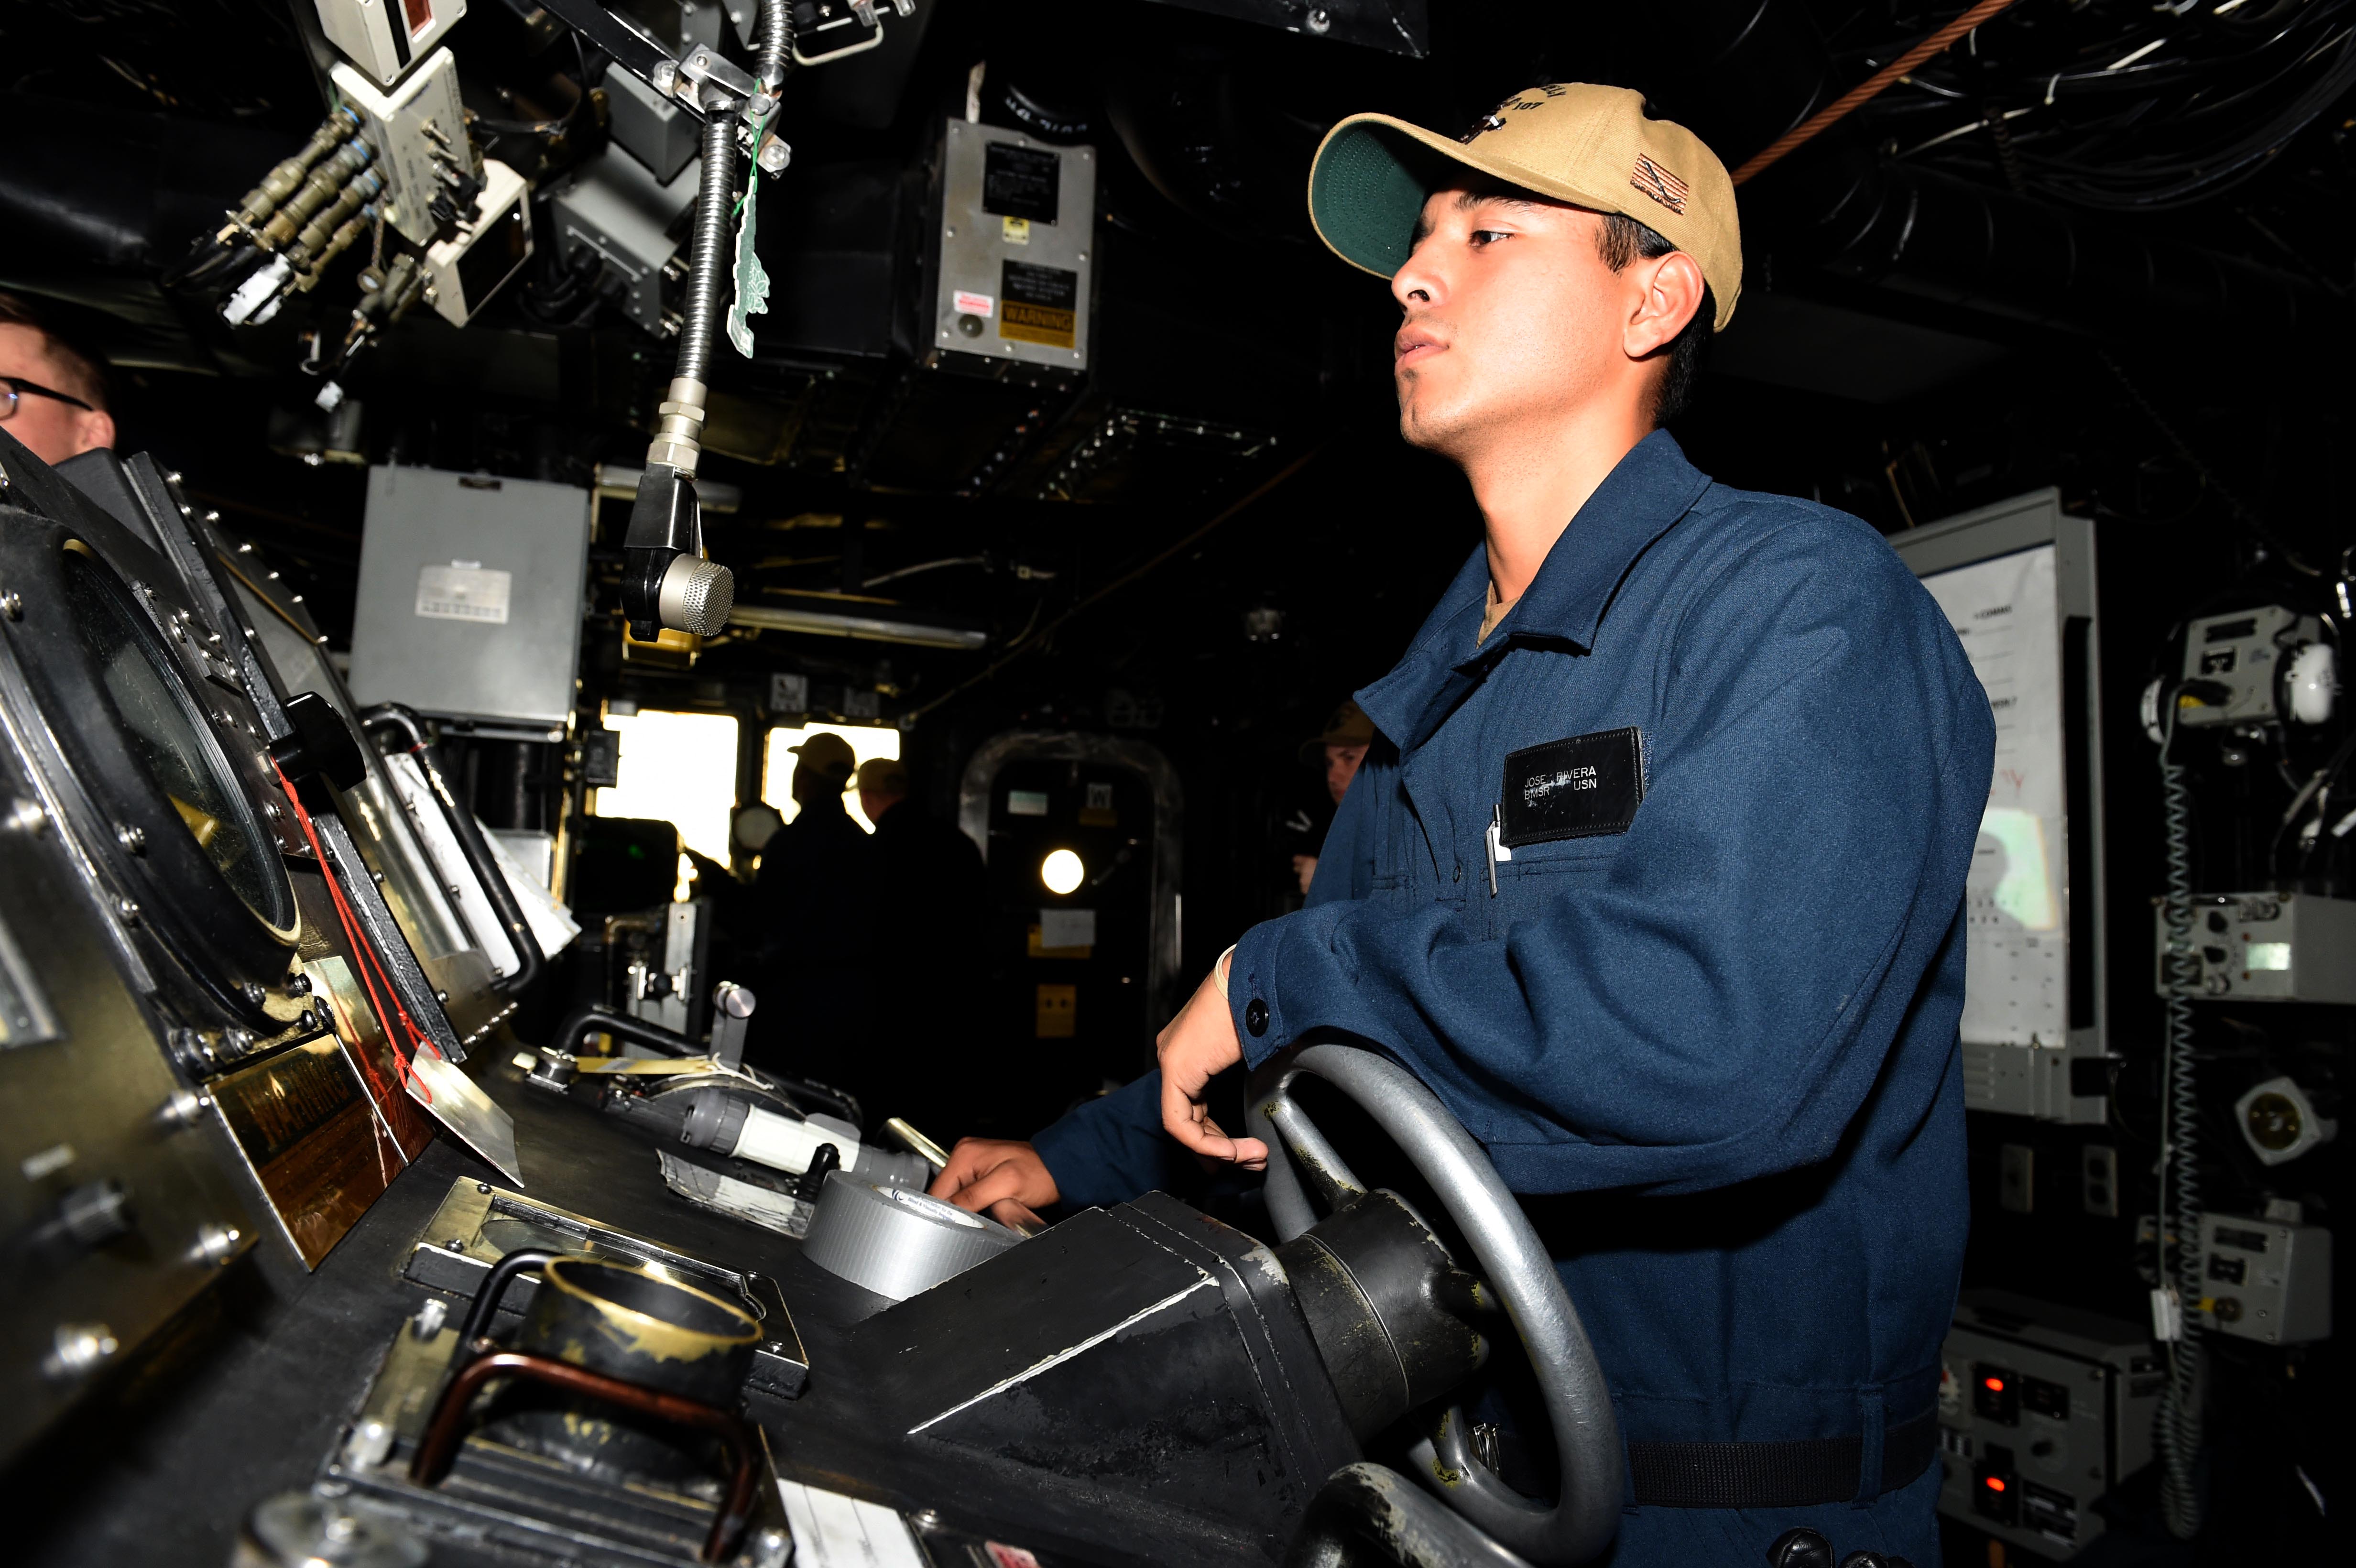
(1654,870)
(815,905)
(925,953)
(1338,751)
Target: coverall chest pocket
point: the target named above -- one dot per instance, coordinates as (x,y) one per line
(1539,873)
(1563,811)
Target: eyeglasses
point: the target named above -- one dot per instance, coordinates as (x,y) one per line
(14,388)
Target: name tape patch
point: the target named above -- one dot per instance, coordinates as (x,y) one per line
(1581,787)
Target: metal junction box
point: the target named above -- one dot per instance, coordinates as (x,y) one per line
(2042,1409)
(413,127)
(385,38)
(2266,1280)
(1015,248)
(465,272)
(470,596)
(2265,947)
(614,207)
(2242,658)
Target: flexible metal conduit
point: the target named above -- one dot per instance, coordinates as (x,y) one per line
(776,56)
(707,275)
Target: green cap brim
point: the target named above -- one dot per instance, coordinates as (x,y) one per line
(1366,189)
(1372,174)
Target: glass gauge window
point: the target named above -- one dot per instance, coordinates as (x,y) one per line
(169,732)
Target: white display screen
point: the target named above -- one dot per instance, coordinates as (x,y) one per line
(2017,982)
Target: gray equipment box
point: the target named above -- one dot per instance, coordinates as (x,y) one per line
(2246,653)
(2265,947)
(1016,242)
(650,126)
(614,207)
(2266,1280)
(470,597)
(2042,1410)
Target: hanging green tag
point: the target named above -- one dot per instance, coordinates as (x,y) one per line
(752,279)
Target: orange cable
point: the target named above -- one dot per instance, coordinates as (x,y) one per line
(1871,86)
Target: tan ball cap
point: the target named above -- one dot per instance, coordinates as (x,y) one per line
(1574,141)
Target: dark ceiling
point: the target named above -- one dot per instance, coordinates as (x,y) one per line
(2051,255)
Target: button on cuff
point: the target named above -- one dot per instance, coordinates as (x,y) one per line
(1256,1016)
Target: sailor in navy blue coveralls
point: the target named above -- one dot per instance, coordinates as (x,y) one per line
(1729,1020)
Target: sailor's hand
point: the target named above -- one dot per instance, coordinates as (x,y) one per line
(1200,1043)
(983,1171)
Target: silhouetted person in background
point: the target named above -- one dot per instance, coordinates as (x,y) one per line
(927,956)
(815,902)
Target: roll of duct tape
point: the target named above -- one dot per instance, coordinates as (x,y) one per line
(895,1241)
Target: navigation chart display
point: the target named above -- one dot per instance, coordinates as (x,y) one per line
(2016,984)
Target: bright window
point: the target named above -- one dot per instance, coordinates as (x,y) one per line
(777,763)
(679,767)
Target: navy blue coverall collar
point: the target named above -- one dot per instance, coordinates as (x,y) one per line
(1641,498)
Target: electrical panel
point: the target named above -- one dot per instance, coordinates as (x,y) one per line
(1017,232)
(386,37)
(2264,948)
(2235,664)
(464,272)
(2268,1280)
(470,597)
(2042,1410)
(418,131)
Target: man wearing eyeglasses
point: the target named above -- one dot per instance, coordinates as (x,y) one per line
(52,396)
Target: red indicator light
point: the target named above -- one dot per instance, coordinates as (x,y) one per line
(1996,1483)
(1994,1383)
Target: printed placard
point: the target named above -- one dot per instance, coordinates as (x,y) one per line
(464,591)
(970,303)
(1021,182)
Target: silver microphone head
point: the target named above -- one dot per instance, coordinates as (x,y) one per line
(696,596)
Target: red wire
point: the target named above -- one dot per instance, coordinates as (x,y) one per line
(365,956)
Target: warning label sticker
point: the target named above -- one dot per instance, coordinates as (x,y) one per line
(1042,304)
(970,303)
(464,592)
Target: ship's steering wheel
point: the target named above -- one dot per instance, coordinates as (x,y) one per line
(1519,1270)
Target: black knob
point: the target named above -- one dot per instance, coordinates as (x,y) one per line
(1800,1548)
(813,1181)
(1864,1560)
(1256,1016)
(322,744)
